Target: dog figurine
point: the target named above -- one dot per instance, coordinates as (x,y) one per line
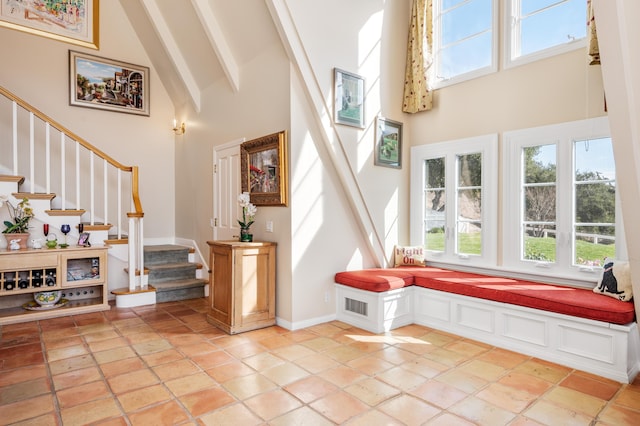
(13,244)
(36,243)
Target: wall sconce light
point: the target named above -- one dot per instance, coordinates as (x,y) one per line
(178,130)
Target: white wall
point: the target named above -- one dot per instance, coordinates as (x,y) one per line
(36,69)
(259,108)
(317,234)
(554,90)
(366,38)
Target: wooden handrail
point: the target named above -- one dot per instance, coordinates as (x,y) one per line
(135,190)
(132,169)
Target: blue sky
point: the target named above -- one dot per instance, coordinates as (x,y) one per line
(594,155)
(95,71)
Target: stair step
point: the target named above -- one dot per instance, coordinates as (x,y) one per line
(112,240)
(178,284)
(35,196)
(68,212)
(180,290)
(97,226)
(10,178)
(170,272)
(165,253)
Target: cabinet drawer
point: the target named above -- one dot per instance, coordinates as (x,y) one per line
(28,261)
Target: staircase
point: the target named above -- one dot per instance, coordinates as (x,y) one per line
(53,166)
(172,274)
(62,175)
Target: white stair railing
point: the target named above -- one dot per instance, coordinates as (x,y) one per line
(33,156)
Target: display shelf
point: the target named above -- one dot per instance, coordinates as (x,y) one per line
(78,272)
(19,314)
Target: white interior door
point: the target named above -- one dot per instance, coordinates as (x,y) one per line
(226,188)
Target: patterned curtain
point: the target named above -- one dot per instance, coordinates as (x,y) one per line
(417,96)
(594,51)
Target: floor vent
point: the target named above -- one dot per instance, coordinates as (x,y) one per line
(355,306)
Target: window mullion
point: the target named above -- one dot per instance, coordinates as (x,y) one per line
(452,201)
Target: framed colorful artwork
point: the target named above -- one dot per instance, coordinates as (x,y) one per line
(75,22)
(348,89)
(101,83)
(264,168)
(388,146)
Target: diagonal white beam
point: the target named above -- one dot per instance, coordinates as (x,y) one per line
(297,54)
(170,45)
(218,42)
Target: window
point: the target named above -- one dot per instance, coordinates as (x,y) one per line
(464,39)
(561,210)
(542,28)
(453,199)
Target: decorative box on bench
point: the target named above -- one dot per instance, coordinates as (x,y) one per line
(569,326)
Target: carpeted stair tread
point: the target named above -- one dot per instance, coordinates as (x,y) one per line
(171,273)
(185,283)
(181,265)
(164,253)
(180,290)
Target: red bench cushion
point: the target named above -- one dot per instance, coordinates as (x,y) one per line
(376,279)
(577,302)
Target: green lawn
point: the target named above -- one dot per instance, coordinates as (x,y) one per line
(536,248)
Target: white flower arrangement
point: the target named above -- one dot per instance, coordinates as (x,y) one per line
(249,211)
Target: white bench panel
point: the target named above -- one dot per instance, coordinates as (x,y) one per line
(526,329)
(587,343)
(476,317)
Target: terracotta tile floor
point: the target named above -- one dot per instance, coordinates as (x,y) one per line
(165,364)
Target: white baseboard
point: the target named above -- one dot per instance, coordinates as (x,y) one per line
(304,324)
(135,299)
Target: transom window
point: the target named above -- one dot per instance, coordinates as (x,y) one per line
(465,34)
(540,28)
(464,39)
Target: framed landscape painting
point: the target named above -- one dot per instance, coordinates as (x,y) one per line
(75,22)
(263,165)
(388,147)
(349,98)
(101,83)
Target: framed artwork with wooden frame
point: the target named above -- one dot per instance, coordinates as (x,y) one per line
(264,169)
(75,22)
(348,103)
(102,83)
(388,146)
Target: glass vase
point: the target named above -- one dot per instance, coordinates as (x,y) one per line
(245,236)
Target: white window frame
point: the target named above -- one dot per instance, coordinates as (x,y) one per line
(487,146)
(435,81)
(511,40)
(563,135)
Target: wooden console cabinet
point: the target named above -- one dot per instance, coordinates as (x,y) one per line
(242,284)
(79,272)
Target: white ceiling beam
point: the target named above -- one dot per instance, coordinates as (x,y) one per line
(170,45)
(218,42)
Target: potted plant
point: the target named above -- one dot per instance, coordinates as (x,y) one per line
(17,228)
(248,214)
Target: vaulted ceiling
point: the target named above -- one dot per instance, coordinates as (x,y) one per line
(194,43)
